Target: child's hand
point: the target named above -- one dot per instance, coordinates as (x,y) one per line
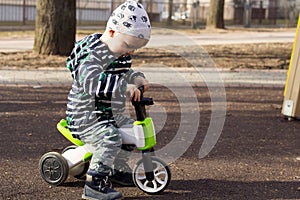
(134,92)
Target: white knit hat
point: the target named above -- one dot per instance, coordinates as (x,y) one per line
(130,18)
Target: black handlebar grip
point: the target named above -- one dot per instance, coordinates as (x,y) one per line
(141,89)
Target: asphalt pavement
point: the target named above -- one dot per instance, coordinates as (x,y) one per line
(162,75)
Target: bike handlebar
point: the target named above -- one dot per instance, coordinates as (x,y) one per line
(139,106)
(143,101)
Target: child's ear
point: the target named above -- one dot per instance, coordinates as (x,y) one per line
(111,33)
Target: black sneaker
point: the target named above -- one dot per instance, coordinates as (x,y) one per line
(100,188)
(122,176)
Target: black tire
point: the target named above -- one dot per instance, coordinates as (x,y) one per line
(54,168)
(162,176)
(80,170)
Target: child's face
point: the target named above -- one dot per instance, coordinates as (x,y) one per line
(125,44)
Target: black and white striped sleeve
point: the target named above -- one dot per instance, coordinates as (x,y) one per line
(131,75)
(111,86)
(90,72)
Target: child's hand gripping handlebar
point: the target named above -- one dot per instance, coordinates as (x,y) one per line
(139,106)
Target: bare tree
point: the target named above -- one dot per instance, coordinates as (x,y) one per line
(55,27)
(169,20)
(215,17)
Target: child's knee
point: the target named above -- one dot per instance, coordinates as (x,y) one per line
(113,137)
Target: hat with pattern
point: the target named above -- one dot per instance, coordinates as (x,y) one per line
(130,18)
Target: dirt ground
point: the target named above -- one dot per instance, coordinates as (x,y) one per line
(250,56)
(253,159)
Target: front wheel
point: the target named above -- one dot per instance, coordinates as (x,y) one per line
(162,176)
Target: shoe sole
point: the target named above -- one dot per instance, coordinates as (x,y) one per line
(86,197)
(90,198)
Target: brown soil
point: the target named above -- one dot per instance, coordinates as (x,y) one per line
(250,56)
(253,159)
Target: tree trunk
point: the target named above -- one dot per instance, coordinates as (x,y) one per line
(55,27)
(169,20)
(215,18)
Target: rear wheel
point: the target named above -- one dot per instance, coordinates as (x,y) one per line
(54,168)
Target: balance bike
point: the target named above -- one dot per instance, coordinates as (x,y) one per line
(150,174)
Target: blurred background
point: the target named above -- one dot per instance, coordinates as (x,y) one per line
(16,14)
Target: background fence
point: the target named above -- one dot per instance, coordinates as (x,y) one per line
(186,13)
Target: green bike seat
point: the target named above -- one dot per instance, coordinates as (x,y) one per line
(62,127)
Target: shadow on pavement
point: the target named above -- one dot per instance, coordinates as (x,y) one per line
(222,189)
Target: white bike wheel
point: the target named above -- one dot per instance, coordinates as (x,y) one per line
(162,177)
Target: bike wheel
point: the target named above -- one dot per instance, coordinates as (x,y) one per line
(80,170)
(54,168)
(162,177)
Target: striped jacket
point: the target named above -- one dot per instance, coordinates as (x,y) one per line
(99,85)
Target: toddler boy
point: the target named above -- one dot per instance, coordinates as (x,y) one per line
(102,77)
